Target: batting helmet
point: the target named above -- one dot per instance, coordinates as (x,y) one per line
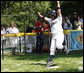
(53,12)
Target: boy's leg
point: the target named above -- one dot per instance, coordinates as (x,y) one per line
(59,41)
(59,44)
(53,47)
(52,52)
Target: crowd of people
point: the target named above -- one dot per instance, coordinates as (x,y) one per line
(73,22)
(13,41)
(69,22)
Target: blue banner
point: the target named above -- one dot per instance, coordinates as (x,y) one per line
(76,40)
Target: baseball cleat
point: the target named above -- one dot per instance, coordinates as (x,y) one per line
(50,63)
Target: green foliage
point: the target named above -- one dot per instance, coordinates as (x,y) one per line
(30,8)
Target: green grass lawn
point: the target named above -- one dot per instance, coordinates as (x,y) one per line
(36,63)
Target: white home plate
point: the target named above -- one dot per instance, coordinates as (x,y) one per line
(53,67)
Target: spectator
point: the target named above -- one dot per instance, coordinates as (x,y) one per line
(67,25)
(14,41)
(78,25)
(46,37)
(2,30)
(6,28)
(30,40)
(70,18)
(81,18)
(13,29)
(29,29)
(3,33)
(74,18)
(46,26)
(39,36)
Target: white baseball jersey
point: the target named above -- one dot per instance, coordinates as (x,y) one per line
(56,25)
(57,34)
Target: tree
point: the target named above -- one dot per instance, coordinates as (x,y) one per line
(30,8)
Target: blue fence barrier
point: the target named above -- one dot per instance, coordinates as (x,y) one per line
(76,40)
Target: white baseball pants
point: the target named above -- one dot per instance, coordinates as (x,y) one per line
(56,42)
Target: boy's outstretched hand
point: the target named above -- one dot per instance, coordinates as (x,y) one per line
(57,1)
(38,13)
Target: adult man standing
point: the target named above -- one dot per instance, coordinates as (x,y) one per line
(39,37)
(14,41)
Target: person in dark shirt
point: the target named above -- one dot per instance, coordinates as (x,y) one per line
(74,18)
(29,29)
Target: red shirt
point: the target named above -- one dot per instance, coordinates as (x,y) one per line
(46,28)
(38,24)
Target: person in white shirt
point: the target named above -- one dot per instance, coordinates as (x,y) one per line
(14,41)
(67,25)
(78,24)
(81,18)
(3,33)
(56,31)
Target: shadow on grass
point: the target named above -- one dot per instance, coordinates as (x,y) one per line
(42,64)
(44,56)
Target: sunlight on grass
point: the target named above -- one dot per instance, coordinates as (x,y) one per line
(36,63)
